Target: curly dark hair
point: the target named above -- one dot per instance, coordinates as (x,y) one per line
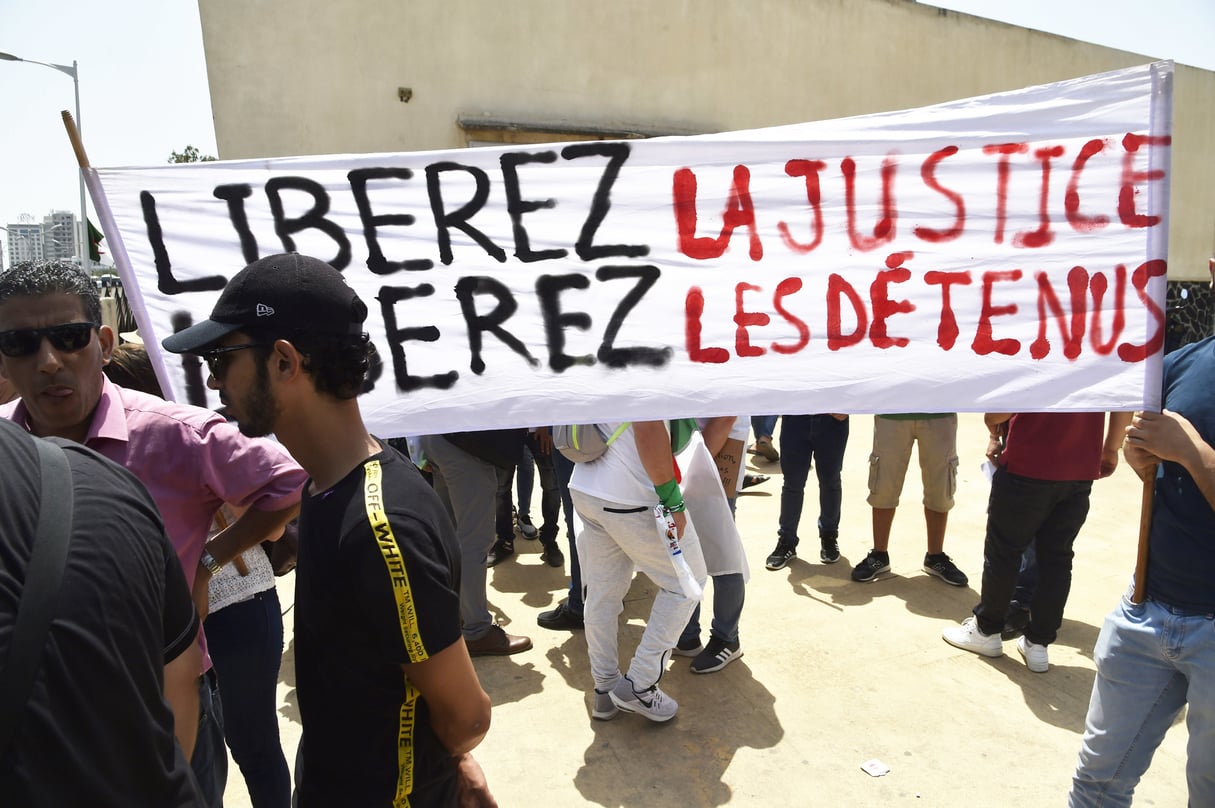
(37,278)
(338,365)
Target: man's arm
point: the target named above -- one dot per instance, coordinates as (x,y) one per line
(459,714)
(252,528)
(1156,436)
(459,708)
(997,431)
(1115,434)
(181,692)
(716,432)
(654,447)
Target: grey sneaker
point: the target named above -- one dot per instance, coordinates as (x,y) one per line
(651,702)
(526,529)
(968,637)
(717,655)
(604,709)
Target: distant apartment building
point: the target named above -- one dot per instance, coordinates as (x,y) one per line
(52,238)
(59,233)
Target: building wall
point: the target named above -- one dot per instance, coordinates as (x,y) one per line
(59,233)
(24,242)
(53,238)
(323,76)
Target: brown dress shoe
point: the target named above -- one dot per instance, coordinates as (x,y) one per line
(496,642)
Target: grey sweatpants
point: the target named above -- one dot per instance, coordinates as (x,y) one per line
(615,540)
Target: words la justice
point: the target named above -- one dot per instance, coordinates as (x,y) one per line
(740,210)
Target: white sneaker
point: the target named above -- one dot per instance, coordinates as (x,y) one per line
(968,637)
(603,709)
(1034,655)
(651,702)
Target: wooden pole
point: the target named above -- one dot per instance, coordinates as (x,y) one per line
(73,134)
(1145,529)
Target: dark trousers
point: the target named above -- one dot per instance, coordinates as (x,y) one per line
(504,527)
(1047,514)
(564,468)
(210,759)
(550,499)
(550,496)
(246,644)
(821,439)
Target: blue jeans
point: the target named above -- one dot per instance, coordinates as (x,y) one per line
(729,592)
(565,469)
(210,759)
(763,425)
(246,644)
(1151,662)
(803,438)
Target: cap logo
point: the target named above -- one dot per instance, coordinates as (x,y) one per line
(263,310)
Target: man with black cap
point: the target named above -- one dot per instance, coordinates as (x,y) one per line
(377,586)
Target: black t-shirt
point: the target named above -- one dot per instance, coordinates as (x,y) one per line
(377,586)
(96,730)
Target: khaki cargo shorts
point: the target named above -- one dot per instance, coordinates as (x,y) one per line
(937,446)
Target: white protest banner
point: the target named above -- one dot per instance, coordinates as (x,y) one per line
(999,253)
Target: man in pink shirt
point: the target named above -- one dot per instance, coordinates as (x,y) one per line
(52,350)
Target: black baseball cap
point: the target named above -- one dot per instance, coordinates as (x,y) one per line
(279,295)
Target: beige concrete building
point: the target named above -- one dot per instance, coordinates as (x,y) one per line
(349,76)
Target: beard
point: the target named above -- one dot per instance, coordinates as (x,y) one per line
(259,408)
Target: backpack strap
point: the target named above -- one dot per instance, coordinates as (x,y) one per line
(40,593)
(619,431)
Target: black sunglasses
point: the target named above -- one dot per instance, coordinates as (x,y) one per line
(69,337)
(217,358)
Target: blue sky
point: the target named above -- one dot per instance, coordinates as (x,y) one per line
(143,81)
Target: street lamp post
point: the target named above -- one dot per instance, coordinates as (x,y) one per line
(82,241)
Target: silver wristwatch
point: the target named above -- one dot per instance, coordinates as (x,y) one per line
(207,560)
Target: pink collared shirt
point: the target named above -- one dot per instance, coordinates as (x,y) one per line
(191,461)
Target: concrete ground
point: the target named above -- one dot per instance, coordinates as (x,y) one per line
(834,674)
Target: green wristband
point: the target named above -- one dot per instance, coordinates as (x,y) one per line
(670,496)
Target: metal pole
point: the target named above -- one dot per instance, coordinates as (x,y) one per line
(73,71)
